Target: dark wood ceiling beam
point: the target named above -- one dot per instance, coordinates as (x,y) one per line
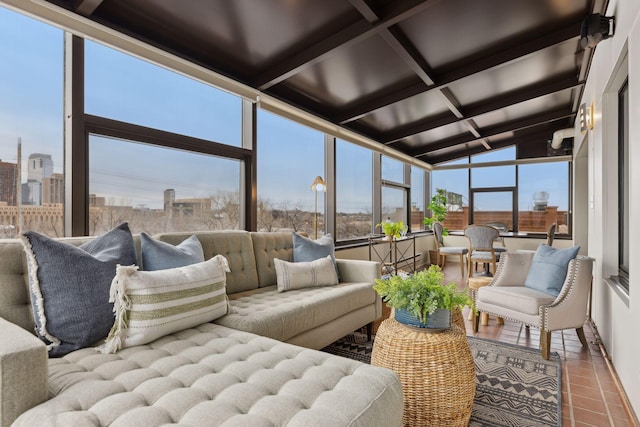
(348,36)
(486,106)
(86,7)
(518,51)
(506,55)
(512,126)
(542,135)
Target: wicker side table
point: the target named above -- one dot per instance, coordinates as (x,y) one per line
(436,370)
(475,283)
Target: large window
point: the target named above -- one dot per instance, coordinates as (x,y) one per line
(31,87)
(194,192)
(623,185)
(394,191)
(543,197)
(290,157)
(493,189)
(124,88)
(524,197)
(417,199)
(455,182)
(354,189)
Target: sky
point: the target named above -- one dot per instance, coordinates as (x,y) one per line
(124,88)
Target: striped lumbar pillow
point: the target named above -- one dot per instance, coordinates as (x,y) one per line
(151,304)
(298,275)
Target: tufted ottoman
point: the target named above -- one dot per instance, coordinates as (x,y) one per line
(213,375)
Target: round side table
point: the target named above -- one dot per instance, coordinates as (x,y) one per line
(476,283)
(436,370)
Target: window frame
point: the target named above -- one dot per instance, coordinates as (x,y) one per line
(623,182)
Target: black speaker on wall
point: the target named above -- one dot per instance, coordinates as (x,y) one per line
(595,28)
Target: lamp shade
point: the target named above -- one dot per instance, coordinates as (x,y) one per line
(318,184)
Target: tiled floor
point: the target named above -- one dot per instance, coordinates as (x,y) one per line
(589,393)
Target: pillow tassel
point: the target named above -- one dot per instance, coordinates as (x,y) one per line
(223,263)
(121,303)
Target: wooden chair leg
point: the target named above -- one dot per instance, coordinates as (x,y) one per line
(476,321)
(484,319)
(545,343)
(462,266)
(583,339)
(369,330)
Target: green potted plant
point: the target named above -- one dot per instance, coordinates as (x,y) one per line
(438,208)
(392,229)
(422,299)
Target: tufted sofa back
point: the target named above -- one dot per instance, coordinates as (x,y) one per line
(235,245)
(250,257)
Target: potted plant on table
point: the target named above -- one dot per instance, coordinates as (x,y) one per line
(392,230)
(422,299)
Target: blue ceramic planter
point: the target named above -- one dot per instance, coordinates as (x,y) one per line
(441,319)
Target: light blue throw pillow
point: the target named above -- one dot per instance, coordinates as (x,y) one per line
(306,250)
(158,255)
(549,268)
(70,286)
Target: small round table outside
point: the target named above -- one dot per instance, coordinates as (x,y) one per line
(436,370)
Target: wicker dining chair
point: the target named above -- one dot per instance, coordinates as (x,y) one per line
(481,250)
(442,251)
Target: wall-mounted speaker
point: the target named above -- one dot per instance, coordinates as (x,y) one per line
(595,28)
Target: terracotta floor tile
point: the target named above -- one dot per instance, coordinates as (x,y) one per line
(582,380)
(595,405)
(588,392)
(617,411)
(590,417)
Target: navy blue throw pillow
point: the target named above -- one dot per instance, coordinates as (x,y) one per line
(70,286)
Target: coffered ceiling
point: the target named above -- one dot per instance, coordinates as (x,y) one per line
(435,79)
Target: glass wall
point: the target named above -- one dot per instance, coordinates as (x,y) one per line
(354,190)
(543,197)
(194,192)
(124,88)
(524,197)
(455,182)
(290,157)
(417,199)
(31,126)
(159,188)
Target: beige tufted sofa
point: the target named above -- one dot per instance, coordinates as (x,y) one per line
(242,370)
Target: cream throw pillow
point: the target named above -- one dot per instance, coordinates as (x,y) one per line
(151,304)
(298,275)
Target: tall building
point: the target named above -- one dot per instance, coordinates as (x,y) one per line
(53,189)
(40,166)
(8,181)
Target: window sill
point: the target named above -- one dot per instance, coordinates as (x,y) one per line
(616,286)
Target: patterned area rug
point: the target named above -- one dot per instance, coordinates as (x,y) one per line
(515,386)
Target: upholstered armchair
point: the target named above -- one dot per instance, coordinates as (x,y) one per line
(442,251)
(507,297)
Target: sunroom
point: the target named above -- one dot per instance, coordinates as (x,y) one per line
(217,115)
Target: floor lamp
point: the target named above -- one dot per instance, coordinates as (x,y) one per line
(318,185)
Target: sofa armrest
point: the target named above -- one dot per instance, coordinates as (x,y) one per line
(23,371)
(513,268)
(351,270)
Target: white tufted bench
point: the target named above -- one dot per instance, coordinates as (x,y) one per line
(212,375)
